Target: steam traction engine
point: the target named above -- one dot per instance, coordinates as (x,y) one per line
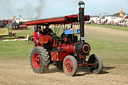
(66,51)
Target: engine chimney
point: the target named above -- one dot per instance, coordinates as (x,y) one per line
(81,18)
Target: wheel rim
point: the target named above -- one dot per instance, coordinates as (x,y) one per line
(36,60)
(68,66)
(95,65)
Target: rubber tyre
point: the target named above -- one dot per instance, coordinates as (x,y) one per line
(70,65)
(97,66)
(39,60)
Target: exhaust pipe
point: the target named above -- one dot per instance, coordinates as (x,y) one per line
(81,18)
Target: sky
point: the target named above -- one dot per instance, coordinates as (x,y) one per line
(55,8)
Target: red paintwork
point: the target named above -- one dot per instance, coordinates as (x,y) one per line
(45,39)
(54,56)
(54,43)
(58,56)
(23,26)
(88,48)
(36,60)
(61,20)
(80,65)
(89,64)
(82,56)
(68,66)
(68,48)
(62,55)
(49,38)
(86,64)
(65,39)
(49,21)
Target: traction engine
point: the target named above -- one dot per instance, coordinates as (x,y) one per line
(65,52)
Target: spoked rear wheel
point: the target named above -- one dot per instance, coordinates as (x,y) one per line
(97,64)
(70,65)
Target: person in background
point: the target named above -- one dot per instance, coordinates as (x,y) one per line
(37,34)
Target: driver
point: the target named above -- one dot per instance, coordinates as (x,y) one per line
(47,30)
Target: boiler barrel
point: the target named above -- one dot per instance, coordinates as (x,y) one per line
(78,48)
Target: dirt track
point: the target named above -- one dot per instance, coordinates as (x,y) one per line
(16,72)
(107,33)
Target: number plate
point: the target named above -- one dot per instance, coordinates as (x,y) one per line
(84,38)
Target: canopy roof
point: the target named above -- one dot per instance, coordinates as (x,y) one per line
(60,20)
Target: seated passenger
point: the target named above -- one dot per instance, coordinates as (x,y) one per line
(37,34)
(47,30)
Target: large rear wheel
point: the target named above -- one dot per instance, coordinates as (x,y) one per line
(39,60)
(97,64)
(70,65)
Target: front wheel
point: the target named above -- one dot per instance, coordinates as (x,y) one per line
(70,65)
(96,62)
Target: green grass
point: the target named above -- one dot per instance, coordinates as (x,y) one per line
(110,26)
(16,49)
(25,33)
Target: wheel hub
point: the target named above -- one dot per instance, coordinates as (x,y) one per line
(36,60)
(96,64)
(69,66)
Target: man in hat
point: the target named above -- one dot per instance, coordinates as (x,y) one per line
(37,34)
(47,30)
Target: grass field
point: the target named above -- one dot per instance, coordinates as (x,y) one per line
(110,26)
(110,44)
(16,48)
